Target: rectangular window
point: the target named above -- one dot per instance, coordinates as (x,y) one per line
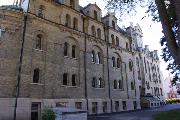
(104,107)
(61,104)
(135,105)
(74,80)
(78,105)
(124,105)
(35,111)
(36,76)
(117,106)
(94,107)
(120,84)
(151,104)
(65,79)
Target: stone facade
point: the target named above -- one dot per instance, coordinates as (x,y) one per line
(72,57)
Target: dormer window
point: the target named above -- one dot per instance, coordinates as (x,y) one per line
(113,40)
(75,23)
(72,4)
(38,44)
(99,33)
(95,15)
(68,20)
(41,11)
(117,41)
(113,25)
(93,31)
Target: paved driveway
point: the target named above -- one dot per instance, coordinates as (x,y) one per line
(135,115)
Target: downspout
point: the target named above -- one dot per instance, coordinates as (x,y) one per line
(85,65)
(107,43)
(20,64)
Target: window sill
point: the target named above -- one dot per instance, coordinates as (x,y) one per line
(67,57)
(38,50)
(99,88)
(97,63)
(70,86)
(118,89)
(116,68)
(36,84)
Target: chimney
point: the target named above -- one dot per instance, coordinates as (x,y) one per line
(147,47)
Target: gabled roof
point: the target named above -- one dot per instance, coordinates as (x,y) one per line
(92,5)
(109,15)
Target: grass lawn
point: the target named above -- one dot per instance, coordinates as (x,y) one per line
(169,115)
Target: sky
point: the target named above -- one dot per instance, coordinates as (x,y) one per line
(152,31)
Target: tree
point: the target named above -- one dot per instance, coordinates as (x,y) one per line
(166,11)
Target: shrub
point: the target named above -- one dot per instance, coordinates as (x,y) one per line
(48,114)
(172,101)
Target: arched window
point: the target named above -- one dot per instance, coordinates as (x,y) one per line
(113,62)
(75,23)
(113,40)
(137,62)
(161,91)
(73,51)
(36,75)
(152,90)
(74,82)
(120,84)
(93,56)
(93,31)
(115,84)
(145,64)
(127,46)
(94,85)
(130,65)
(99,33)
(132,85)
(66,47)
(95,15)
(68,20)
(118,62)
(117,41)
(155,91)
(41,11)
(98,58)
(65,79)
(100,83)
(113,25)
(39,40)
(72,4)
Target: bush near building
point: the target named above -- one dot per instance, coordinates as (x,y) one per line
(172,101)
(48,114)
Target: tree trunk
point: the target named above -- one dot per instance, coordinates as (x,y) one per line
(167,30)
(177,10)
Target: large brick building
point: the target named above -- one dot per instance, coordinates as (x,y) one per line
(72,57)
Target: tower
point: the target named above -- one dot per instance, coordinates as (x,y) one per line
(136,34)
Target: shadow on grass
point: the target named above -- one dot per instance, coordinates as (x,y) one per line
(169,115)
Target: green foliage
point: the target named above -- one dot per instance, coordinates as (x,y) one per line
(172,101)
(125,7)
(129,7)
(48,114)
(169,115)
(166,55)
